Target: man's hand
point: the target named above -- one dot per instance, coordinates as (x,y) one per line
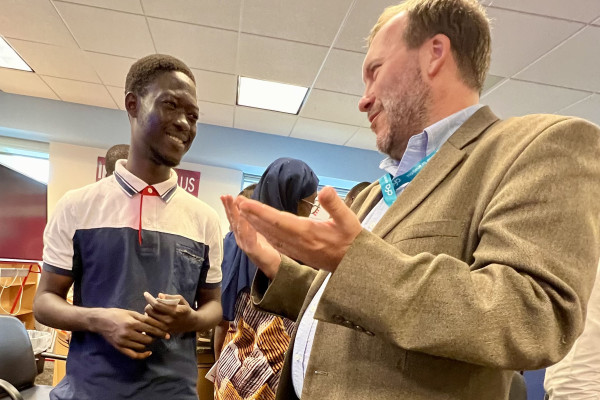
(256,247)
(319,244)
(128,331)
(176,318)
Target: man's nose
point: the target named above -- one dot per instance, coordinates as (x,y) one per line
(182,122)
(365,103)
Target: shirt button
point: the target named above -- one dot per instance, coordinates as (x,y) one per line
(369,333)
(348,324)
(150,190)
(297,357)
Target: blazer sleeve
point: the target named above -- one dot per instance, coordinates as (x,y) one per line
(285,295)
(522,302)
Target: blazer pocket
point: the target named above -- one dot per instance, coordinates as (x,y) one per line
(435,237)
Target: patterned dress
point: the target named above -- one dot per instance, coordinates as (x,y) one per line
(253,353)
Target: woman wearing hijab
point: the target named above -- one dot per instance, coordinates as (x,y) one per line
(252,357)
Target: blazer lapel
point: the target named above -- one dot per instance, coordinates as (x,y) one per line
(449,156)
(371,201)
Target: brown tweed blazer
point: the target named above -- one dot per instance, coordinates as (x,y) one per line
(483,265)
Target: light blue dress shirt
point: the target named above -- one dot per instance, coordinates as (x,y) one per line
(418,147)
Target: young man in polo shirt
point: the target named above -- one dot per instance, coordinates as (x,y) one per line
(128,239)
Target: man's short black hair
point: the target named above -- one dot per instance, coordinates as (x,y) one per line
(146,69)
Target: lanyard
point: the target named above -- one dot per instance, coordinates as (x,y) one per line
(386,182)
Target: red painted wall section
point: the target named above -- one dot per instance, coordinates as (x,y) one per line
(23,215)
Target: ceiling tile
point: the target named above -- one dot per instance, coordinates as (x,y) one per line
(219,14)
(34,20)
(335,107)
(106,31)
(516,98)
(587,109)
(576,10)
(342,73)
(520,39)
(131,6)
(199,47)
(61,62)
(364,138)
(490,82)
(359,24)
(252,119)
(25,83)
(322,131)
(118,95)
(111,69)
(280,60)
(81,92)
(215,114)
(574,64)
(295,20)
(214,87)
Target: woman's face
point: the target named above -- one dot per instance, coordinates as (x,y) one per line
(305,206)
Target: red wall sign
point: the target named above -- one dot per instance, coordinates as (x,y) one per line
(187,180)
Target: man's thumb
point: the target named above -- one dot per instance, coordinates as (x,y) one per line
(333,204)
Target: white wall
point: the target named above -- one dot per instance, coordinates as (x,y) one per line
(72,167)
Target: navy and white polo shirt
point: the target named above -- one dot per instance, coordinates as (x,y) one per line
(116,244)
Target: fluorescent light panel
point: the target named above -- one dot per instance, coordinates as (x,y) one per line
(270,95)
(10,59)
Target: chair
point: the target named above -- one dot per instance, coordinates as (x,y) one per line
(17,367)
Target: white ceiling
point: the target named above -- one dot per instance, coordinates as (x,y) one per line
(545,56)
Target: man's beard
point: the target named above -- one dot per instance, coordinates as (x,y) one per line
(406,112)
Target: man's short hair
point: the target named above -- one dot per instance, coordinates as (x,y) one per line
(117,152)
(248,190)
(356,189)
(464,22)
(145,70)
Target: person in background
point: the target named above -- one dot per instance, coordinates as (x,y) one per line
(229,252)
(577,376)
(250,361)
(116,152)
(356,189)
(127,240)
(473,256)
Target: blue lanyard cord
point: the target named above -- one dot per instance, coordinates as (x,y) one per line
(389,185)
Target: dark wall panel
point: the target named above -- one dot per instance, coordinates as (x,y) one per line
(23,213)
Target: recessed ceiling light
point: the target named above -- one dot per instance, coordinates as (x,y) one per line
(9,57)
(270,95)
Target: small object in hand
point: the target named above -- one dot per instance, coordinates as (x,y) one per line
(169,302)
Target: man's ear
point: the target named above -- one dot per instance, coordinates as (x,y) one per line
(131,104)
(437,52)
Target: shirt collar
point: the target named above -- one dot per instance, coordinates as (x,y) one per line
(132,185)
(428,141)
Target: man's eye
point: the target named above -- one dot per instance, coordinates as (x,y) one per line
(194,117)
(170,104)
(374,71)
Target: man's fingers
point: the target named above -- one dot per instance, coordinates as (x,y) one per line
(134,354)
(227,201)
(137,342)
(153,330)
